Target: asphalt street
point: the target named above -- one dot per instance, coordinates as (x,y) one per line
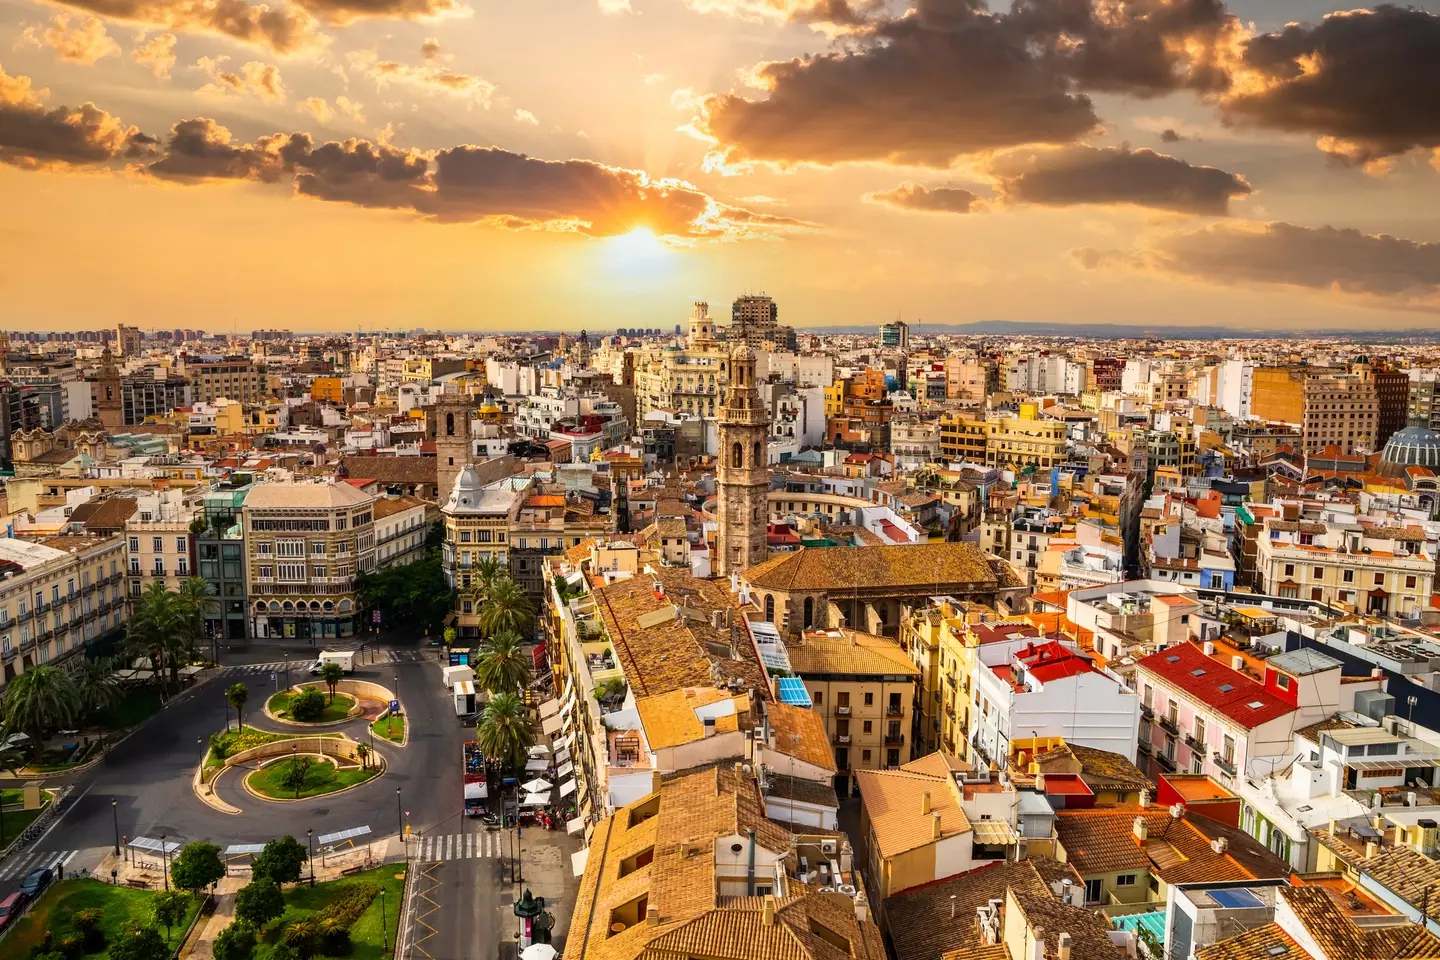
(143,787)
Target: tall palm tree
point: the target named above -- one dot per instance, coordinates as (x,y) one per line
(158,630)
(486,573)
(503,666)
(196,598)
(97,687)
(332,673)
(41,699)
(236,696)
(506,609)
(504,731)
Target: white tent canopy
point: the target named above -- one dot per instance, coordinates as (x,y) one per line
(535,800)
(536,785)
(536,765)
(539,750)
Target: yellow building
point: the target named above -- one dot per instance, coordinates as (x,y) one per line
(864,687)
(941,642)
(1025,440)
(477,519)
(328,390)
(963,437)
(1278,393)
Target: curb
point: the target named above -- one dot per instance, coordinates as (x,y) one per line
(245,783)
(404,741)
(355,711)
(210,799)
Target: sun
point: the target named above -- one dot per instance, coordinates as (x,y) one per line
(637,254)
(640,242)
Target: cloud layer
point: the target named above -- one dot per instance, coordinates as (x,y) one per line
(1115,175)
(33,137)
(914,196)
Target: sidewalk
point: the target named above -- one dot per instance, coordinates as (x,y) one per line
(201,943)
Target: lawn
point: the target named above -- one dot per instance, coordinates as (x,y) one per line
(16,821)
(366,935)
(322,778)
(233,741)
(391,728)
(337,709)
(131,710)
(118,905)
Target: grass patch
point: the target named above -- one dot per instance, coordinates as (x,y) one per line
(17,820)
(337,709)
(233,741)
(57,908)
(131,710)
(306,902)
(320,779)
(392,728)
(11,796)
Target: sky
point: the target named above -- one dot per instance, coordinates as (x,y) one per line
(563,164)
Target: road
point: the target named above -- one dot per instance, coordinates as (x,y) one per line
(143,788)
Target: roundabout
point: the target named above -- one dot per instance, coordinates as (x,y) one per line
(285,707)
(305,776)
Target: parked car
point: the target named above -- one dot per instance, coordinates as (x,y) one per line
(10,909)
(35,882)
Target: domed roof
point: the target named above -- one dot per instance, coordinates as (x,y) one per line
(466,492)
(1413,446)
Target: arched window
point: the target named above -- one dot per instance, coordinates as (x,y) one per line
(758,458)
(449,424)
(737,455)
(770,607)
(809,612)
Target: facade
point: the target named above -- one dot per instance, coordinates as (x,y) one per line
(448,427)
(1340,410)
(895,334)
(400,530)
(1025,440)
(61,593)
(754,320)
(305,545)
(152,394)
(864,688)
(477,520)
(220,548)
(159,547)
(963,437)
(234,378)
(1386,570)
(742,476)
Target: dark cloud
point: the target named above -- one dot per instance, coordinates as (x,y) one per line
(360,172)
(34,137)
(347,11)
(948,78)
(939,82)
(201,149)
(1170,135)
(1082,174)
(1366,81)
(1404,273)
(281,29)
(914,196)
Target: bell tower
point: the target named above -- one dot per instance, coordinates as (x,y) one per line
(449,429)
(743,475)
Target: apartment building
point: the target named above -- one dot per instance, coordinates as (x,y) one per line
(220,546)
(1340,410)
(159,545)
(963,437)
(57,594)
(756,320)
(1384,571)
(401,528)
(864,687)
(477,520)
(305,545)
(549,523)
(234,378)
(153,393)
(1025,440)
(939,643)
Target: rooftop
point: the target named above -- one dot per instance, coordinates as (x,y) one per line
(928,567)
(849,652)
(304,496)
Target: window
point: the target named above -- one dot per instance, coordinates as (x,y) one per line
(1172,711)
(290,548)
(182,567)
(1348,576)
(464,536)
(264,548)
(865,756)
(1318,573)
(1227,750)
(809,612)
(1379,579)
(319,573)
(1410,583)
(182,545)
(770,608)
(317,549)
(869,699)
(157,544)
(1125,880)
(819,697)
(134,544)
(1282,681)
(1200,730)
(869,726)
(265,572)
(737,455)
(294,572)
(892,758)
(159,566)
(1289,569)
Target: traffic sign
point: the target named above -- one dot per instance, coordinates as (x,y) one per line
(394,706)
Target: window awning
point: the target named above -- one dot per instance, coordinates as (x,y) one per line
(549,708)
(993,832)
(565,769)
(578,859)
(551,725)
(568,787)
(531,765)
(562,755)
(573,827)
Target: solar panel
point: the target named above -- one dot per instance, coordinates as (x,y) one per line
(1236,899)
(350,834)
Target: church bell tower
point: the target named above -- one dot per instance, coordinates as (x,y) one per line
(743,475)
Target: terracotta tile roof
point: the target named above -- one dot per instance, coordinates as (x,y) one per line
(849,652)
(392,469)
(1404,872)
(1178,851)
(892,800)
(800,732)
(670,719)
(914,566)
(389,506)
(1254,944)
(923,913)
(1049,917)
(805,791)
(1339,936)
(107,514)
(1099,769)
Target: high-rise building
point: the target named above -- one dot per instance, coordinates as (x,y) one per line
(895,334)
(755,320)
(743,475)
(1340,410)
(1392,395)
(128,340)
(234,378)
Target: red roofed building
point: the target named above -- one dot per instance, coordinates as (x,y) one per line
(1202,715)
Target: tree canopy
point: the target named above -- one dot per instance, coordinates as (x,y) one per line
(281,860)
(197,866)
(40,700)
(259,902)
(416,594)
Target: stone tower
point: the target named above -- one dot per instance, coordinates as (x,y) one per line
(743,476)
(449,423)
(702,328)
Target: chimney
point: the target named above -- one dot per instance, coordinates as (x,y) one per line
(1379,822)
(1371,849)
(1142,831)
(652,915)
(1062,950)
(655,781)
(1144,799)
(1220,845)
(1237,663)
(935,826)
(709,725)
(1040,782)
(925,802)
(768,916)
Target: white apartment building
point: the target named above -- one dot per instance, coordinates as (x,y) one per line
(1378,570)
(400,530)
(159,547)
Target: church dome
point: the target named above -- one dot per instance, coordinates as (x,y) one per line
(1415,446)
(467,491)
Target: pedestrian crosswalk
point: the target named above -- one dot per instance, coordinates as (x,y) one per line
(478,845)
(22,863)
(299,665)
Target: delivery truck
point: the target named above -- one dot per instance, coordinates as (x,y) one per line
(346,659)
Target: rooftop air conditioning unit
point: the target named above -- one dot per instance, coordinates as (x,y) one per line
(829,847)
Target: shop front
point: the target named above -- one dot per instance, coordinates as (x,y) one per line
(320,620)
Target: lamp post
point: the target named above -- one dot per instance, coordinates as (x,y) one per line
(310,839)
(384,930)
(400,823)
(287,669)
(1410,716)
(165,862)
(115,813)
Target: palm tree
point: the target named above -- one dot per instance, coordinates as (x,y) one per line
(11,760)
(196,597)
(332,673)
(504,731)
(503,666)
(486,574)
(97,687)
(158,630)
(506,608)
(362,750)
(236,697)
(41,699)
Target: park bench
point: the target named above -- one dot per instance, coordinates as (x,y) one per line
(140,884)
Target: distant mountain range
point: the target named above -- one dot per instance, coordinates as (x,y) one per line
(1122,331)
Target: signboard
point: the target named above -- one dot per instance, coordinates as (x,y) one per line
(394,706)
(374,616)
(538,657)
(459,658)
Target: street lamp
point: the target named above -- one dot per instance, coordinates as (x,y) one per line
(384,931)
(310,839)
(400,822)
(115,812)
(1410,718)
(164,862)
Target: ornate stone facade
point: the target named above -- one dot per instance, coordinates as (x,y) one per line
(743,475)
(449,427)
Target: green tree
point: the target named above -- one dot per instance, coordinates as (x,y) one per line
(235,942)
(170,908)
(96,688)
(137,942)
(450,636)
(194,599)
(307,705)
(281,860)
(504,730)
(486,574)
(92,934)
(158,630)
(259,902)
(39,700)
(334,937)
(301,936)
(197,866)
(236,696)
(416,594)
(11,760)
(503,666)
(362,750)
(296,774)
(506,609)
(332,673)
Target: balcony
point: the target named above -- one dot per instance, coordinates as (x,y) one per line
(1145,746)
(42,608)
(1147,712)
(1194,744)
(894,739)
(24,615)
(842,739)
(894,710)
(950,710)
(1227,765)
(1170,725)
(1165,763)
(843,710)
